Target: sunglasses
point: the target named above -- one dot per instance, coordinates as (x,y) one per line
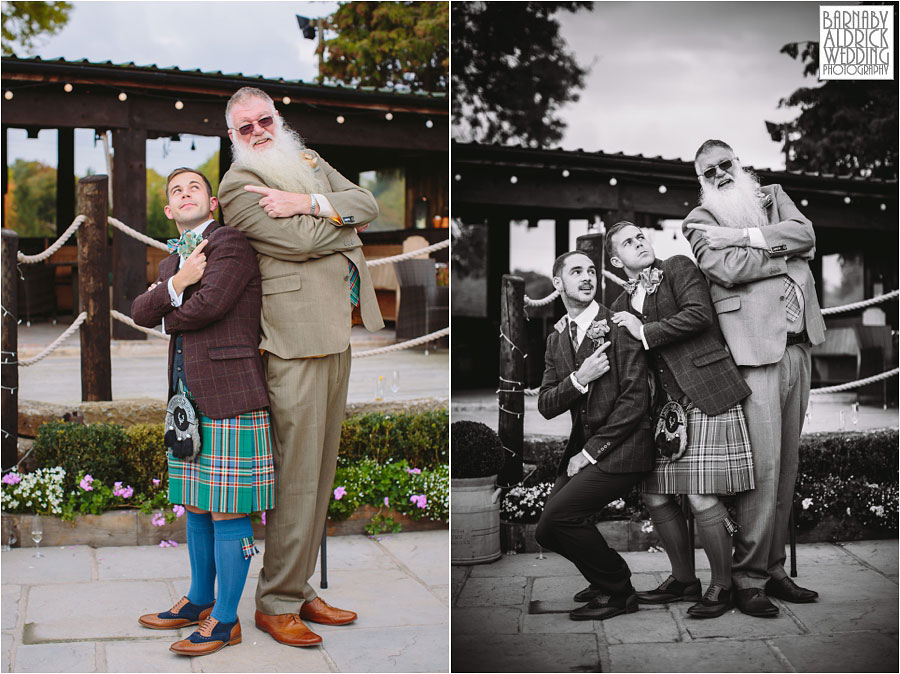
(709,173)
(264,123)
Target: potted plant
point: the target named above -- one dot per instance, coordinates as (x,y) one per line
(476,455)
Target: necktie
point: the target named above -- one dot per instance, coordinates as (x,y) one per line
(354,284)
(185,244)
(573,333)
(792,304)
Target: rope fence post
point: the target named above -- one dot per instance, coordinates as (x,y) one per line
(93,289)
(9,410)
(511,390)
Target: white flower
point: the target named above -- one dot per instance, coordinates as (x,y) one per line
(647,526)
(806,503)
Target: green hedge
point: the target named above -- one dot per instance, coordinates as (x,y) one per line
(421,439)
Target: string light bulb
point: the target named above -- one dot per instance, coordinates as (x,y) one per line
(804,203)
(68,88)
(663,189)
(8,95)
(883,207)
(339,119)
(179,105)
(123,96)
(458,177)
(286,100)
(613,182)
(565,173)
(429,123)
(389,116)
(846,200)
(513,179)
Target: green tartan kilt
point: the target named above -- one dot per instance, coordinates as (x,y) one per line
(234,472)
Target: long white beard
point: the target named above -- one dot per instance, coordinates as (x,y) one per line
(281,164)
(737,206)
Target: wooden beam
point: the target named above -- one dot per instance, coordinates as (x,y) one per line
(129,256)
(65,179)
(9,358)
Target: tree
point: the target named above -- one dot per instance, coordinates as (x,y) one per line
(389,44)
(31,200)
(25,22)
(845,127)
(512,71)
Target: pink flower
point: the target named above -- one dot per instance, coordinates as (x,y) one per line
(124,492)
(174,544)
(164,544)
(128,492)
(158,520)
(156,482)
(419,499)
(86,483)
(339,493)
(386,501)
(178,510)
(12,478)
(414,471)
(264,518)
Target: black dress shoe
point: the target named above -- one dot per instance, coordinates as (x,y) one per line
(588,593)
(753,601)
(787,590)
(671,590)
(715,602)
(599,610)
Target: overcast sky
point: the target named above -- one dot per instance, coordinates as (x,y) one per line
(252,38)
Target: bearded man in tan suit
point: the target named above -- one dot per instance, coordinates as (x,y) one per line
(300,215)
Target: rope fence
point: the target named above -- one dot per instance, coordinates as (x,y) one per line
(59,243)
(56,343)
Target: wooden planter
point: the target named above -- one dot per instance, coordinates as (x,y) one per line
(475,515)
(131,527)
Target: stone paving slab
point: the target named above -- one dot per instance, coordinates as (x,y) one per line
(524,564)
(424,551)
(6,644)
(9,610)
(868,652)
(485,620)
(60,612)
(527,653)
(722,656)
(548,623)
(70,657)
(493,592)
(883,555)
(644,626)
(258,652)
(407,649)
(58,565)
(735,625)
(145,656)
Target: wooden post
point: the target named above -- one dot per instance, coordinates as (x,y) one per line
(9,394)
(512,377)
(592,246)
(65,179)
(93,289)
(129,256)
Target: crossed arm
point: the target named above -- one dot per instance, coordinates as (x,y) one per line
(695,311)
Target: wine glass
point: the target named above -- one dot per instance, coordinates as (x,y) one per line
(37,533)
(379,389)
(11,540)
(395,381)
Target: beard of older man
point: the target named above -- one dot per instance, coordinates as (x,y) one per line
(281,164)
(737,206)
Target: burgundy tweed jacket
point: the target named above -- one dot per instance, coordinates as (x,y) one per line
(687,347)
(219,323)
(612,420)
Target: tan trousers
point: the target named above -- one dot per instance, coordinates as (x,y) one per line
(307,399)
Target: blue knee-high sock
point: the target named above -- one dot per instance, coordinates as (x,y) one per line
(234,547)
(203,563)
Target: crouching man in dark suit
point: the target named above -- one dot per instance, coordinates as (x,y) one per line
(208,296)
(610,448)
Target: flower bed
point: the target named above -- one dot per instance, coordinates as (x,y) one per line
(86,470)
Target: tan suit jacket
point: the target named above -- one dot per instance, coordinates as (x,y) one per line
(747,284)
(303,261)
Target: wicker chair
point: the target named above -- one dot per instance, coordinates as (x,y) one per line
(424,307)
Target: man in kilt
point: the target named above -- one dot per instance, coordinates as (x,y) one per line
(596,372)
(754,247)
(300,215)
(666,306)
(208,296)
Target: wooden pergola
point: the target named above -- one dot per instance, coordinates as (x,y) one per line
(355,129)
(493,185)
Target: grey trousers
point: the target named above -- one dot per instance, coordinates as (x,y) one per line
(307,399)
(775,412)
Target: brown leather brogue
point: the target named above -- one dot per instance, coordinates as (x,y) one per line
(288,629)
(319,611)
(184,613)
(211,637)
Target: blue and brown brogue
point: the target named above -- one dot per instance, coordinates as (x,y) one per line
(184,613)
(211,637)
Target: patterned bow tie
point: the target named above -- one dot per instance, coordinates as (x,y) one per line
(185,244)
(649,279)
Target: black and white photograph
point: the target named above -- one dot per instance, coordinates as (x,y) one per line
(674,322)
